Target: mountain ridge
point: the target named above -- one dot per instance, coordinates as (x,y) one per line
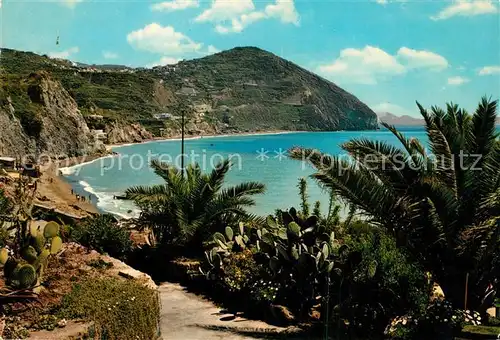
(405,120)
(244,89)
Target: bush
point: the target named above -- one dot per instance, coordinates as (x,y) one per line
(438,321)
(120,309)
(240,271)
(377,283)
(103,234)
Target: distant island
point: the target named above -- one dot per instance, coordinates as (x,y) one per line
(59,106)
(404,120)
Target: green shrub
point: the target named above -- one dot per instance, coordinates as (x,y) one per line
(377,282)
(438,321)
(240,271)
(103,234)
(120,309)
(494,321)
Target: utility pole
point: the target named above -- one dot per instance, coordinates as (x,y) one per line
(183,112)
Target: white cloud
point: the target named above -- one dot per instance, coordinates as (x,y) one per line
(457,81)
(238,25)
(64,54)
(174,5)
(487,70)
(165,40)
(385,2)
(391,108)
(371,64)
(212,49)
(222,10)
(233,16)
(70,3)
(284,10)
(165,61)
(421,59)
(109,55)
(466,8)
(363,66)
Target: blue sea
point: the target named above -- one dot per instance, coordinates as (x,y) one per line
(255,158)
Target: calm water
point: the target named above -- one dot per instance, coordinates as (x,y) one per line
(256,158)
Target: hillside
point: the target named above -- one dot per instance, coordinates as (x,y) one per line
(241,90)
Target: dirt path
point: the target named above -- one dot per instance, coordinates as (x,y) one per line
(186,316)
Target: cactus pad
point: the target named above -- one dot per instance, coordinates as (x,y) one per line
(56,245)
(26,276)
(38,242)
(29,254)
(229,233)
(51,230)
(294,229)
(4,256)
(220,237)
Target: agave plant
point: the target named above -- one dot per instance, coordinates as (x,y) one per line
(191,207)
(442,205)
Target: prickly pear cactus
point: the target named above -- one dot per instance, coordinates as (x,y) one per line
(27,272)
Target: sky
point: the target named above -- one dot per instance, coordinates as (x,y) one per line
(388,53)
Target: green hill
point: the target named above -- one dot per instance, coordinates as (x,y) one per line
(243,89)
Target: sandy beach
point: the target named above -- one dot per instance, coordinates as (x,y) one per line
(110,147)
(54,192)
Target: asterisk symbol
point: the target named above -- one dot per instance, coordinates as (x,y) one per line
(262,154)
(280,154)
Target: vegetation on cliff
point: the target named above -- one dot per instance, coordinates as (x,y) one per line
(243,89)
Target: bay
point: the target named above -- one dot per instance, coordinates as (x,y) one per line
(259,158)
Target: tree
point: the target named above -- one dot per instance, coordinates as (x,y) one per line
(443,206)
(188,209)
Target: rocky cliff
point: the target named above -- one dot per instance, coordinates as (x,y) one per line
(126,133)
(38,116)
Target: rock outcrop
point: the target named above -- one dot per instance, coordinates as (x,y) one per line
(126,133)
(13,140)
(50,125)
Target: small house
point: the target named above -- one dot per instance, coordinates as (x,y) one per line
(7,163)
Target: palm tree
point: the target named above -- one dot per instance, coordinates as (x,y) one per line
(444,207)
(186,210)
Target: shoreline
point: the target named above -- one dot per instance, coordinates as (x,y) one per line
(55,192)
(110,147)
(59,187)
